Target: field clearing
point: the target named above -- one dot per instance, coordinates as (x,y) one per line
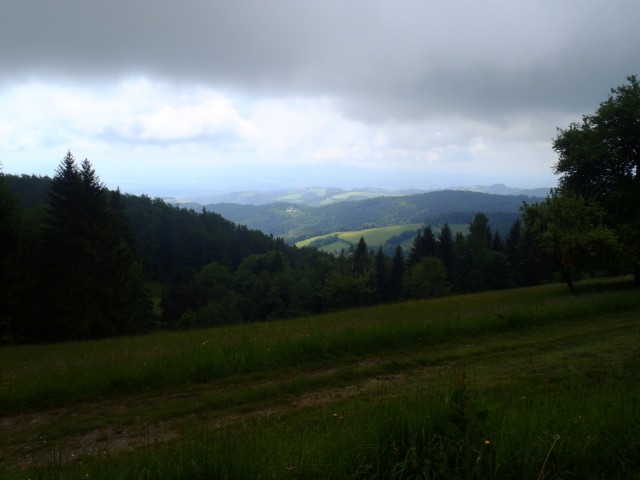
(138,398)
(374,237)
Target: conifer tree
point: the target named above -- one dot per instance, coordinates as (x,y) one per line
(381,275)
(93,286)
(428,242)
(396,274)
(512,242)
(444,249)
(497,245)
(476,266)
(10,256)
(415,254)
(360,257)
(424,245)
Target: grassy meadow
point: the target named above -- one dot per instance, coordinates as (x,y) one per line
(524,383)
(374,237)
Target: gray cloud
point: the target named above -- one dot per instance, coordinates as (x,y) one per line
(380,60)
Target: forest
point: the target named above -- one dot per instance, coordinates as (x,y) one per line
(85,262)
(80,261)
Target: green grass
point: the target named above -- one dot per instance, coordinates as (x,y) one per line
(374,237)
(527,383)
(50,375)
(337,247)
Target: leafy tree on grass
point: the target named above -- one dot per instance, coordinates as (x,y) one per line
(571,231)
(599,159)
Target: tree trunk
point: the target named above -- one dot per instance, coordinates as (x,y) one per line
(565,267)
(566,275)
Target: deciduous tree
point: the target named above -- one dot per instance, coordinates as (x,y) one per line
(599,159)
(571,231)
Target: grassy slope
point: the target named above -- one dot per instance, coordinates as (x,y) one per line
(527,343)
(374,237)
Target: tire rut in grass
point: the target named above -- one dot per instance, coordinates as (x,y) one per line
(135,422)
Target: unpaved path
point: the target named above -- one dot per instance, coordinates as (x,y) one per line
(131,422)
(135,421)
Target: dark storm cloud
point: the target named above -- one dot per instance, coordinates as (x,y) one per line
(380,60)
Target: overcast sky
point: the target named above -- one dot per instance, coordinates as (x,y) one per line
(168,96)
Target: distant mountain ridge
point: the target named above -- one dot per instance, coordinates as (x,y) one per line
(314,196)
(320,196)
(296,222)
(501,189)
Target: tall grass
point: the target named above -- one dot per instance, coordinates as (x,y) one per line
(48,375)
(446,429)
(577,415)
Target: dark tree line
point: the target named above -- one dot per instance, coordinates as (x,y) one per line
(92,263)
(437,265)
(74,275)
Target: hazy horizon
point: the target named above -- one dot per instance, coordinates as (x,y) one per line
(166,98)
(199,190)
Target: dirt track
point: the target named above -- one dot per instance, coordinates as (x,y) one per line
(127,423)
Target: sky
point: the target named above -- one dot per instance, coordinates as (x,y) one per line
(169,97)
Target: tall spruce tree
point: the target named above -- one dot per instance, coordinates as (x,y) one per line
(424,245)
(382,281)
(396,274)
(93,285)
(360,257)
(476,266)
(415,254)
(444,248)
(10,256)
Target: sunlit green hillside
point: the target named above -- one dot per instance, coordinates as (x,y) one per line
(374,237)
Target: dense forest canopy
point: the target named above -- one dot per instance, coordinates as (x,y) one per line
(86,262)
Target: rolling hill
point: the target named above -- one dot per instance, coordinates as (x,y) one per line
(295,222)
